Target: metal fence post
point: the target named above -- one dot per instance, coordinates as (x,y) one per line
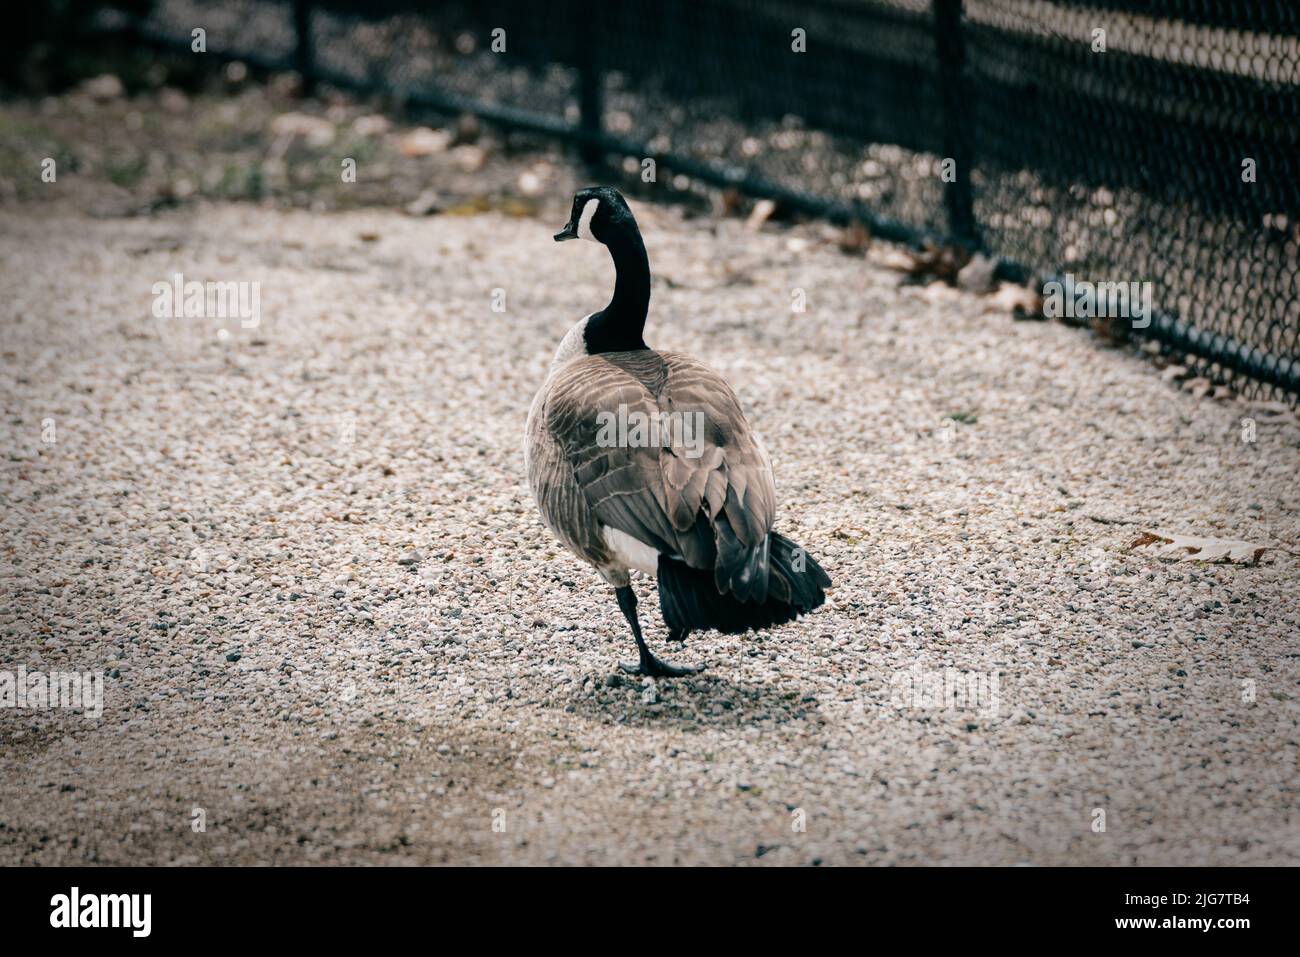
(303,52)
(591,88)
(950,48)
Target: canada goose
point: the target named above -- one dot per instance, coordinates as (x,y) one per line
(643,459)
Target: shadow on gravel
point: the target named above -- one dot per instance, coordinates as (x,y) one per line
(698,702)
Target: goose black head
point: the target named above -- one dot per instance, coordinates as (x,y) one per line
(600,214)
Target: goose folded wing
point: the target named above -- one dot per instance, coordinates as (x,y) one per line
(705,493)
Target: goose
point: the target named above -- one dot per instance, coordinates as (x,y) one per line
(691,503)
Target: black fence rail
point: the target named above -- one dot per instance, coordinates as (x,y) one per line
(1092,141)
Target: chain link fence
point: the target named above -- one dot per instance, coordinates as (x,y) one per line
(1082,144)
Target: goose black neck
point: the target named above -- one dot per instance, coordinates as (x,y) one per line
(620,325)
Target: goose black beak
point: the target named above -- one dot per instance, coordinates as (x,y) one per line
(570,231)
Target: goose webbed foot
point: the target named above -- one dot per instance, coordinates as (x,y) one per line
(649,665)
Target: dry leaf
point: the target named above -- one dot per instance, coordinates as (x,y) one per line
(730,202)
(937,262)
(977,275)
(1192,548)
(1112,330)
(854,238)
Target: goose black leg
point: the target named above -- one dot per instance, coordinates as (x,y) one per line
(678,634)
(649,665)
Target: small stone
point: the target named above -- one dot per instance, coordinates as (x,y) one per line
(104,87)
(425,204)
(424,141)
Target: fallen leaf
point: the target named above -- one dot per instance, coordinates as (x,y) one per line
(977,275)
(932,262)
(891,257)
(854,238)
(1192,548)
(1112,330)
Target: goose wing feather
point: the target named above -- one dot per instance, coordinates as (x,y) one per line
(714,509)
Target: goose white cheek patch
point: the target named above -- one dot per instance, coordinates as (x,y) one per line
(584,221)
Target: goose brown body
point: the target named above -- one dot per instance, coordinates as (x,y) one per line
(711,506)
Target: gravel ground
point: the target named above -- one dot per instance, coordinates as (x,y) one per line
(307,563)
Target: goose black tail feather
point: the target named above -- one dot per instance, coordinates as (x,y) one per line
(689,597)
